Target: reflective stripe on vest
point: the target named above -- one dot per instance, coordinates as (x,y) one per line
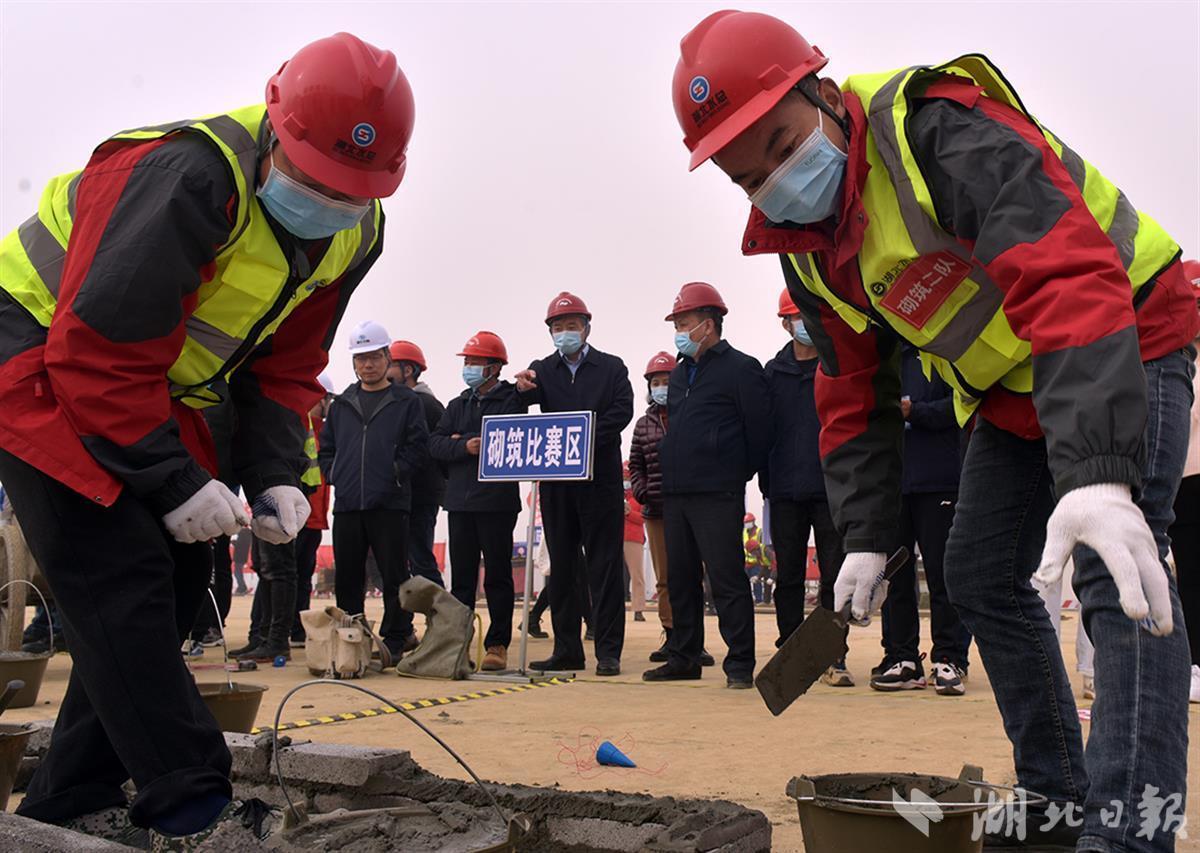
(247,299)
(966,337)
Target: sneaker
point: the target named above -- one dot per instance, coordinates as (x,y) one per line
(240,824)
(670,672)
(838,676)
(111,824)
(192,649)
(1089,687)
(901,675)
(947,679)
(1195,694)
(495,660)
(211,638)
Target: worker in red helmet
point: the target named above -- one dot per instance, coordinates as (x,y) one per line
(428,483)
(928,205)
(587,516)
(717,408)
(187,263)
(482,515)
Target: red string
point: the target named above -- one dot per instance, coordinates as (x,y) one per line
(581,756)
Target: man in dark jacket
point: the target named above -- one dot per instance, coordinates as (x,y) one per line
(717,407)
(429,483)
(578,377)
(373,440)
(482,515)
(929,486)
(795,485)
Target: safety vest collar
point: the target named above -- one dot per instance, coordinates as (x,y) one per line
(765,237)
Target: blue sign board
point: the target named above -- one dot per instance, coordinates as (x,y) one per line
(547,446)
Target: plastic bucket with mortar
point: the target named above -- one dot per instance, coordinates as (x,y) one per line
(895,812)
(13,739)
(234,705)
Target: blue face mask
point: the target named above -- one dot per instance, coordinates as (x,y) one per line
(659,395)
(303,211)
(685,344)
(806,186)
(568,343)
(800,334)
(472,374)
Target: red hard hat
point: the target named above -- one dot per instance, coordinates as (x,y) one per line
(566,304)
(733,68)
(486,345)
(749,518)
(408,351)
(343,112)
(787,308)
(663,362)
(695,295)
(1191,271)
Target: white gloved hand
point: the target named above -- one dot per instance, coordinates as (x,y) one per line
(1105,518)
(211,512)
(860,583)
(279,514)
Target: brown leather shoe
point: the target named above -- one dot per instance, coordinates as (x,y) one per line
(495,659)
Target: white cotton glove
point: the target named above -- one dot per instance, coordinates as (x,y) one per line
(860,584)
(279,513)
(1105,518)
(211,512)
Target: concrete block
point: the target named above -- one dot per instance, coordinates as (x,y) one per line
(31,836)
(39,740)
(249,761)
(600,835)
(335,764)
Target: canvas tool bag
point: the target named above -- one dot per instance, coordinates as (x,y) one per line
(338,645)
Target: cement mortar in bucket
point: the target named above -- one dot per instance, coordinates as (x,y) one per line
(13,739)
(895,812)
(234,705)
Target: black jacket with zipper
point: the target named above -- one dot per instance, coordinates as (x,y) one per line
(370,461)
(718,432)
(600,384)
(464,418)
(794,462)
(429,483)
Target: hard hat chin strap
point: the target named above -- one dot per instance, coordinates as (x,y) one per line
(807,86)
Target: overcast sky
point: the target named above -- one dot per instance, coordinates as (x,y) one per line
(546,155)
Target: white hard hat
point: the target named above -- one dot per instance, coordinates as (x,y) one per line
(368,336)
(326,382)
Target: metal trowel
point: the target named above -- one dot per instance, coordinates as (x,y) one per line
(817,644)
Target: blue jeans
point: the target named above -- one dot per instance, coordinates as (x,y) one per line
(1139,720)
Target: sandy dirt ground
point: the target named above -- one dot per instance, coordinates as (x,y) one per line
(689,739)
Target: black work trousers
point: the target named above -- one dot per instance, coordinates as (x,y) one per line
(791,522)
(704,533)
(591,516)
(925,521)
(1185,546)
(127,594)
(489,534)
(307,544)
(385,533)
(542,604)
(221,585)
(421,560)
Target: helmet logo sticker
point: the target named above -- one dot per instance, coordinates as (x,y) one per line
(363,134)
(699,89)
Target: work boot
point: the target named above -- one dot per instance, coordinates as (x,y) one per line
(672,672)
(243,825)
(111,824)
(495,660)
(660,655)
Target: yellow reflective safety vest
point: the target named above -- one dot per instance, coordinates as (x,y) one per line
(312,473)
(949,307)
(250,295)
